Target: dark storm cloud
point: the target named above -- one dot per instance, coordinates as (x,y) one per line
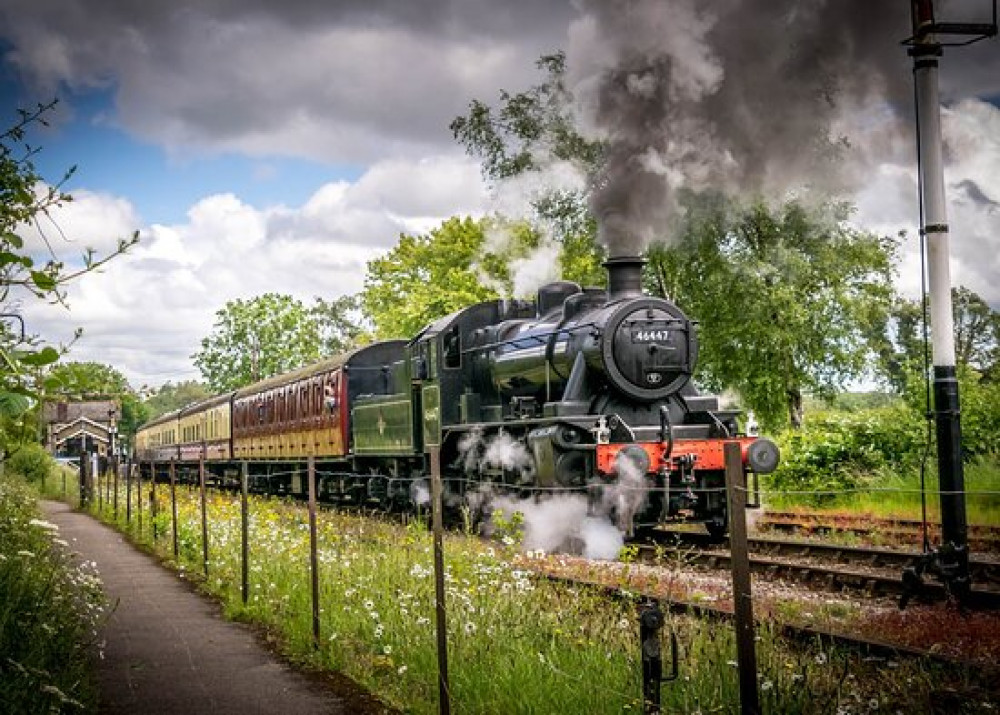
(343,80)
(747,95)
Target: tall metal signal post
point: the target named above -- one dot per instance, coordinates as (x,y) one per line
(950,561)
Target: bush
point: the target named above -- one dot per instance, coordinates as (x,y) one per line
(51,608)
(979,401)
(980,405)
(32,462)
(835,452)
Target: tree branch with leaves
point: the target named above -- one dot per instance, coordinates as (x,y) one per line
(26,199)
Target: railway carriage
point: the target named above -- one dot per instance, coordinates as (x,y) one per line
(157,440)
(206,430)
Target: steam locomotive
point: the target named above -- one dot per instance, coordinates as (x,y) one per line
(582,390)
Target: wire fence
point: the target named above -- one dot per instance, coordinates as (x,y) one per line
(374,596)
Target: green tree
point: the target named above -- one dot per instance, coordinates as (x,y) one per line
(341,325)
(75,381)
(428,276)
(527,126)
(425,277)
(170,397)
(977,332)
(785,299)
(525,133)
(255,339)
(24,198)
(902,349)
(272,333)
(86,381)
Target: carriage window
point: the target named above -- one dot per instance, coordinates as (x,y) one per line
(330,399)
(453,348)
(418,367)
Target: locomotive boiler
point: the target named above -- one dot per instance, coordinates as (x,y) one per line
(583,390)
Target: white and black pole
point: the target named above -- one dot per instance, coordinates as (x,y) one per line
(950,561)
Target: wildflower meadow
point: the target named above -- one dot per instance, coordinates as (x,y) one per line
(517,641)
(51,610)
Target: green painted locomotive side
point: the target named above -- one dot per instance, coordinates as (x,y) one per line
(383,426)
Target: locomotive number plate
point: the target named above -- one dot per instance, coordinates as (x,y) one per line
(650,335)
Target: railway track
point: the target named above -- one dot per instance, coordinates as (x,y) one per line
(982,538)
(869,572)
(867,645)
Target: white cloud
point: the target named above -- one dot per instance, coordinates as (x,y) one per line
(91,220)
(147,311)
(888,202)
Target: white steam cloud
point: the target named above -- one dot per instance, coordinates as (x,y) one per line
(556,522)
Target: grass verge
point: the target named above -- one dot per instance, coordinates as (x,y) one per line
(50,610)
(517,643)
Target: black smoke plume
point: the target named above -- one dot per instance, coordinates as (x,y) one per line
(751,97)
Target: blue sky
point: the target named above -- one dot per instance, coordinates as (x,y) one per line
(162,183)
(263,147)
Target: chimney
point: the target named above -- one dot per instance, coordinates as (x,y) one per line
(624,277)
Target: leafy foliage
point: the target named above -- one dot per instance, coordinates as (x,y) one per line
(426,277)
(461,262)
(85,381)
(51,608)
(853,448)
(980,420)
(785,298)
(255,339)
(341,325)
(270,334)
(979,400)
(527,133)
(24,199)
(901,347)
(838,451)
(32,462)
(528,129)
(170,397)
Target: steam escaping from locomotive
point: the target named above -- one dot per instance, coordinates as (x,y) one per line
(557,522)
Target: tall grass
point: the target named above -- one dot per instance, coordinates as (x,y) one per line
(896,492)
(49,612)
(517,643)
(899,494)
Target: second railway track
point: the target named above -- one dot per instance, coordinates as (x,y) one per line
(868,572)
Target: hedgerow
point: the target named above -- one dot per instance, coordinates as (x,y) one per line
(839,451)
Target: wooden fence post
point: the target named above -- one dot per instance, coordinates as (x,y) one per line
(245,532)
(138,495)
(173,508)
(444,696)
(746,653)
(204,515)
(313,555)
